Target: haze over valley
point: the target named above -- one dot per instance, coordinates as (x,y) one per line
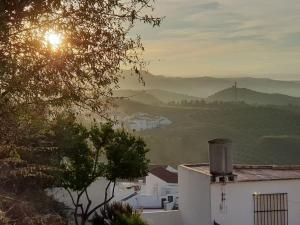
(261,116)
(203,86)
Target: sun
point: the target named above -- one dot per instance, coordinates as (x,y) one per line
(54,39)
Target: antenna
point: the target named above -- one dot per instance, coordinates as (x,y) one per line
(235,91)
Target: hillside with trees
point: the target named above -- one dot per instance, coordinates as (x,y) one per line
(261,134)
(253,97)
(153,96)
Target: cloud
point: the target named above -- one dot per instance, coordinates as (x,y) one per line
(290,40)
(197,7)
(237,36)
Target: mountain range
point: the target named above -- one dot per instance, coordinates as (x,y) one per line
(160,97)
(153,96)
(203,87)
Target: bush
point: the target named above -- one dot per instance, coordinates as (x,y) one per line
(118,214)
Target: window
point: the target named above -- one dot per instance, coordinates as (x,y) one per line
(271,209)
(170,198)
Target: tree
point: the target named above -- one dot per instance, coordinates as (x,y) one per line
(87,154)
(57,54)
(60,53)
(80,67)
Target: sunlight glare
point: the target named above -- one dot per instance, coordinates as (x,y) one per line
(54,39)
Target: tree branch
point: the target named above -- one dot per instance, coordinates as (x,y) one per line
(103,203)
(106,189)
(89,202)
(76,207)
(71,196)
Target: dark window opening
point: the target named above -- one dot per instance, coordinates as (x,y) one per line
(170,199)
(162,202)
(271,209)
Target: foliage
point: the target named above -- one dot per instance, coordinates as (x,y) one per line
(101,151)
(71,141)
(23,147)
(87,154)
(117,214)
(37,80)
(30,209)
(126,156)
(19,176)
(96,41)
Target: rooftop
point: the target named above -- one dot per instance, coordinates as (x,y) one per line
(220,141)
(165,174)
(246,173)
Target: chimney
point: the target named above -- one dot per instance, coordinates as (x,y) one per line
(220,159)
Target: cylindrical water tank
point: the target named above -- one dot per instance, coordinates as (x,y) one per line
(220,157)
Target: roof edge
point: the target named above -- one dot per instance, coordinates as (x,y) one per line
(220,141)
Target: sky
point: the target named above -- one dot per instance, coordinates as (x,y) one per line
(223,38)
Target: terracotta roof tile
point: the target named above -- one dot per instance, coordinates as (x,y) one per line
(164,174)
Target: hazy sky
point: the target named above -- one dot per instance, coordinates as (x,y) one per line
(225,38)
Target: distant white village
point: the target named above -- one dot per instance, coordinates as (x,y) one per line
(143,121)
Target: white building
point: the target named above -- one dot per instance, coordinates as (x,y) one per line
(162,181)
(144,121)
(260,195)
(159,190)
(227,194)
(159,186)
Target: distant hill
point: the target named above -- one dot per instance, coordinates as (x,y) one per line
(153,96)
(168,96)
(253,97)
(206,86)
(138,96)
(261,134)
(279,148)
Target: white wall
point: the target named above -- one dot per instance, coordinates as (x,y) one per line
(239,206)
(163,217)
(96,193)
(153,185)
(144,201)
(169,189)
(194,197)
(151,193)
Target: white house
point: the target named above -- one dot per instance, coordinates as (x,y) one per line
(260,195)
(226,194)
(159,190)
(144,121)
(162,181)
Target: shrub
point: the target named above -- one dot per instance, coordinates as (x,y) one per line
(118,214)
